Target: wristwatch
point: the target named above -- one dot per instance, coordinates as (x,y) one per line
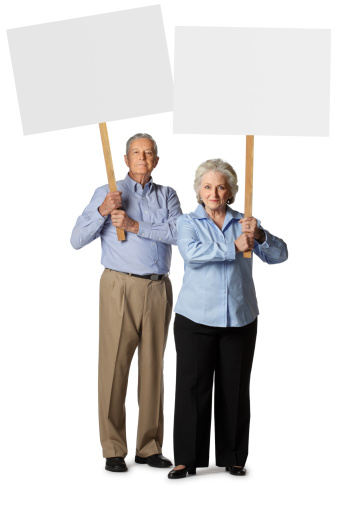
(261,236)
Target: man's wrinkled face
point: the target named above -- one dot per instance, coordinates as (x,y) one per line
(141,159)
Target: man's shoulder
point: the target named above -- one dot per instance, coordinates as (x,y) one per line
(163,190)
(102,189)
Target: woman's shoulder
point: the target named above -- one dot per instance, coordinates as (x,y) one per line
(188,217)
(235,214)
(199,214)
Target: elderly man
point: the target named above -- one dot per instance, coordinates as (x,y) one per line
(135,299)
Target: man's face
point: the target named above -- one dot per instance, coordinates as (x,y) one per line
(141,159)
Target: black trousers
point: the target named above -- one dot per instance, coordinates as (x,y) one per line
(202,353)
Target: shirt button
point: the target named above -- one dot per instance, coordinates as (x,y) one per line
(155,262)
(146,212)
(160,239)
(153,244)
(142,233)
(100,220)
(144,198)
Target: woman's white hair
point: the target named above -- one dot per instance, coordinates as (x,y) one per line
(216,165)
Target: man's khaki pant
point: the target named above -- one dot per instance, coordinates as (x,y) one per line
(133,312)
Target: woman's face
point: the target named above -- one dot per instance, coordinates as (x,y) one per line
(214,191)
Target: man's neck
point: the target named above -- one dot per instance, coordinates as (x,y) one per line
(142,179)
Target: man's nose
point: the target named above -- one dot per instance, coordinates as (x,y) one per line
(142,155)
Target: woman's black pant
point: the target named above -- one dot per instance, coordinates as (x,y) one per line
(202,352)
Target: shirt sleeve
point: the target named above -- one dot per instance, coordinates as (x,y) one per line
(273,250)
(164,232)
(89,225)
(196,252)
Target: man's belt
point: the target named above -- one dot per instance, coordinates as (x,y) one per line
(147,277)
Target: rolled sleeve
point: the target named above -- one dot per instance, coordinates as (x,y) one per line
(163,232)
(88,226)
(196,252)
(273,251)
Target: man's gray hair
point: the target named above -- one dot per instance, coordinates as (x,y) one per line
(216,165)
(141,136)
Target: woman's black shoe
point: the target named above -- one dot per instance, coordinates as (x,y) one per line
(236,470)
(183,472)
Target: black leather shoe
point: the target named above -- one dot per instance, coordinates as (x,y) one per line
(180,474)
(156,460)
(236,470)
(116,465)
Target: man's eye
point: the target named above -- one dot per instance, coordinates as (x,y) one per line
(207,186)
(221,187)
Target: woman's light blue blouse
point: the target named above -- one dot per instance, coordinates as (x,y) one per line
(218,289)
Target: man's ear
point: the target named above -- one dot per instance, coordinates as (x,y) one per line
(157,159)
(126,160)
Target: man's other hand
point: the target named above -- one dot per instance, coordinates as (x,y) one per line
(112,202)
(121,220)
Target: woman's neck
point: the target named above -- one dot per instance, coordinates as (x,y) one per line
(217,216)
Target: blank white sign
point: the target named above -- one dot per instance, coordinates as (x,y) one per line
(252,81)
(91,70)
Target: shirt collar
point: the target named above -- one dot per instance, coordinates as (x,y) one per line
(132,184)
(231,214)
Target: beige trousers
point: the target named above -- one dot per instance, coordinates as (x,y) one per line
(134,312)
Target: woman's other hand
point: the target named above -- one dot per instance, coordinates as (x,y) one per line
(245,242)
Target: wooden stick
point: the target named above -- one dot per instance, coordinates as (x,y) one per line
(248,182)
(110,169)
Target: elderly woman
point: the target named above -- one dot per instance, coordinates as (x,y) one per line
(216,323)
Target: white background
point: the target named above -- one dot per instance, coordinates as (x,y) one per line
(50,451)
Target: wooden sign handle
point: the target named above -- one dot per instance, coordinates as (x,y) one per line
(110,169)
(248,182)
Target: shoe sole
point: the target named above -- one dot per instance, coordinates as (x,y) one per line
(182,477)
(227,469)
(143,461)
(110,469)
(160,466)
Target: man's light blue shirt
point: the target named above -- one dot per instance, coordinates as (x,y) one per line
(218,289)
(155,207)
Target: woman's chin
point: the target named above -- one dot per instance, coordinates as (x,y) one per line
(216,207)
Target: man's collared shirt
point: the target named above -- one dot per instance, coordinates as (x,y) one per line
(155,207)
(218,289)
